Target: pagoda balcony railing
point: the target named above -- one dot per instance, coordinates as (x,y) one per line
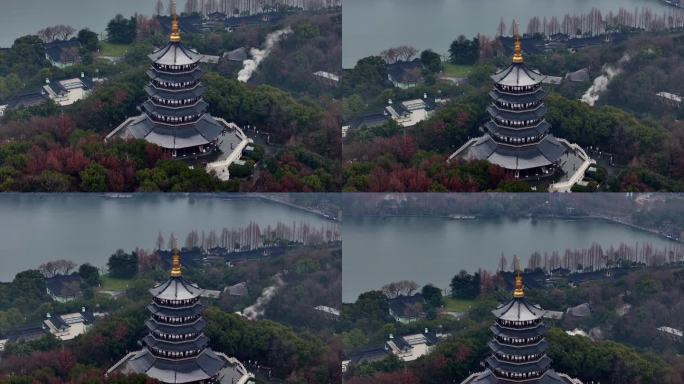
(193,337)
(185,120)
(519,342)
(176,303)
(527,124)
(178,106)
(178,339)
(521,345)
(506,140)
(169,355)
(513,327)
(154,85)
(518,110)
(532,359)
(518,376)
(174,72)
(170,86)
(176,324)
(170,320)
(518,93)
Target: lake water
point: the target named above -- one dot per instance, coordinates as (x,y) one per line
(371,26)
(89,228)
(25,17)
(432,250)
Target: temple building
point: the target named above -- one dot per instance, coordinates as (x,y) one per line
(175,349)
(517,136)
(175,117)
(518,346)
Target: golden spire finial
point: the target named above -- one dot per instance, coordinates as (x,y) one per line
(175,264)
(519,292)
(175,28)
(517,54)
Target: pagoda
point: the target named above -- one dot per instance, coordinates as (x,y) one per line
(517,136)
(518,346)
(175,349)
(174,115)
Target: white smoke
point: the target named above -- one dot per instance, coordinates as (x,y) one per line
(257,309)
(608,72)
(249,66)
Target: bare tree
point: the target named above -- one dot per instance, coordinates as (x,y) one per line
(158,7)
(501,29)
(390,55)
(160,241)
(173,242)
(502,263)
(406,52)
(48,269)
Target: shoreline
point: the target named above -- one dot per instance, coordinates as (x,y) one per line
(467,217)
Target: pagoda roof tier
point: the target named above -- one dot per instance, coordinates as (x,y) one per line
(532,97)
(191,110)
(530,114)
(518,74)
(519,309)
(542,364)
(539,129)
(180,346)
(175,54)
(541,154)
(201,132)
(202,367)
(180,329)
(180,94)
(176,288)
(519,333)
(488,377)
(174,78)
(540,347)
(161,310)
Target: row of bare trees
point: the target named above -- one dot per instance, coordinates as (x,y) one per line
(596,23)
(242,7)
(56,32)
(596,258)
(253,236)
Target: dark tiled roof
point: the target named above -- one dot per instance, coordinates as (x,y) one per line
(28,333)
(369,121)
(369,355)
(239,54)
(55,49)
(400,304)
(401,70)
(57,284)
(28,99)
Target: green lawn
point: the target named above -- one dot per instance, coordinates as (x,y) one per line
(112,284)
(457,305)
(453,70)
(109,49)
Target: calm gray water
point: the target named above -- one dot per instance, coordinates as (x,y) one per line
(25,17)
(371,26)
(89,228)
(432,250)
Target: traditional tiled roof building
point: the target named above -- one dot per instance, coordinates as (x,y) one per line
(176,349)
(174,116)
(518,346)
(517,136)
